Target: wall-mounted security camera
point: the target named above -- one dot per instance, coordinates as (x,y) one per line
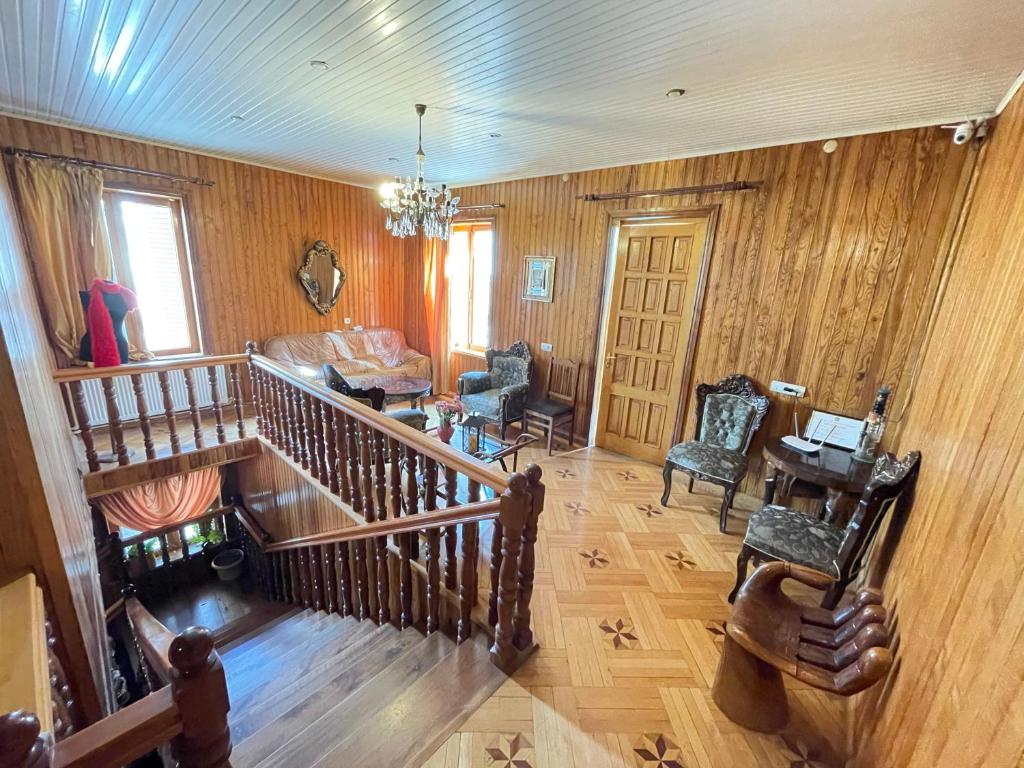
(967,130)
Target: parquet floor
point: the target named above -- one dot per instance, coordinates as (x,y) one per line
(629,607)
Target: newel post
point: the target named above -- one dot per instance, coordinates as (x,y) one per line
(257,405)
(515,507)
(522,631)
(200,691)
(21,745)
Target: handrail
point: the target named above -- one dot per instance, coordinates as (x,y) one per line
(126,735)
(469,513)
(440,452)
(62,375)
(251,524)
(153,637)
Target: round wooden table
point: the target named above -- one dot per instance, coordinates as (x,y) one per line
(831,469)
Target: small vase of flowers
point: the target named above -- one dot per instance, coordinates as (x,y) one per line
(448,412)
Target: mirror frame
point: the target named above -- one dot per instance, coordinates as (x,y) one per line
(320,248)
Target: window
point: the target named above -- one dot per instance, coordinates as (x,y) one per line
(147,235)
(470,265)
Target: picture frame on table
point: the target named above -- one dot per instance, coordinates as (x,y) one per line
(539,278)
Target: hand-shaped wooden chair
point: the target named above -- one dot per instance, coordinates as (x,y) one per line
(843,651)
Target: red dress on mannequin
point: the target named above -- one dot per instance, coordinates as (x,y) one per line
(105,351)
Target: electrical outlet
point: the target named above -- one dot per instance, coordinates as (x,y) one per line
(782,388)
(347,321)
(545,346)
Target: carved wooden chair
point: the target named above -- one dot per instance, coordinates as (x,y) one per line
(768,633)
(374,398)
(728,415)
(499,393)
(557,409)
(780,533)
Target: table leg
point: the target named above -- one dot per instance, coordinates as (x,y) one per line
(769,484)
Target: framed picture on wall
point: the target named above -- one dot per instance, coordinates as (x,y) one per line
(539,278)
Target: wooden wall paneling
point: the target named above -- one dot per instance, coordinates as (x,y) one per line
(824,277)
(956,581)
(249,232)
(45,523)
(283,499)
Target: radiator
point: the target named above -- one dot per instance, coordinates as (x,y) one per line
(124,394)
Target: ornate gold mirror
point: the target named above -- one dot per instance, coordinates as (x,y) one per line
(321,276)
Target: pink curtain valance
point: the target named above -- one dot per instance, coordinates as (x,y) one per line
(163,502)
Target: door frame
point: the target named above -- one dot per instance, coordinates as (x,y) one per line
(616,218)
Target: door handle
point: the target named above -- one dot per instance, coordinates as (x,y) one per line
(608,361)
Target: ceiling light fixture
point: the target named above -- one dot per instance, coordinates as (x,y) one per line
(414,205)
(319,65)
(675,93)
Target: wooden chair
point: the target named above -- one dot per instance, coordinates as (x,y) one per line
(728,415)
(779,533)
(768,633)
(558,406)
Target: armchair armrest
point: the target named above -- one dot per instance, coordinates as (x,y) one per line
(471,382)
(513,400)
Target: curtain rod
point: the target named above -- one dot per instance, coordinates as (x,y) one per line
(106,166)
(729,186)
(483,207)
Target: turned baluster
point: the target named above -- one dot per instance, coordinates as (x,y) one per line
(344,579)
(218,409)
(304,427)
(341,449)
(281,592)
(85,428)
(328,579)
(305,587)
(291,396)
(272,419)
(412,495)
(165,552)
(114,421)
(366,472)
(433,546)
(467,581)
(236,392)
(310,418)
(379,460)
(352,439)
(362,576)
(515,508)
(522,631)
(172,427)
(330,438)
(193,408)
(294,583)
(281,422)
(372,453)
(451,532)
(474,495)
(259,397)
(140,404)
(319,422)
(200,690)
(403,539)
(313,559)
(492,608)
(263,399)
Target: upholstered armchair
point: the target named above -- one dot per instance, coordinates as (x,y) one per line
(728,415)
(499,393)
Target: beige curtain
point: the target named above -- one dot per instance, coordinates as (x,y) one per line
(435,299)
(164,502)
(61,207)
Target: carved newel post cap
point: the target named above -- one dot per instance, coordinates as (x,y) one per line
(517,483)
(20,744)
(533,473)
(190,651)
(251,348)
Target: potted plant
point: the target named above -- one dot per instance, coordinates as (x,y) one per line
(152,552)
(448,412)
(214,543)
(134,564)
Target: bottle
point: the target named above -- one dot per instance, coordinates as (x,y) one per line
(873,429)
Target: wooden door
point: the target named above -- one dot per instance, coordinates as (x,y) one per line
(650,319)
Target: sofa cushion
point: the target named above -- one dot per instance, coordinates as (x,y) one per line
(709,460)
(788,535)
(485,403)
(380,351)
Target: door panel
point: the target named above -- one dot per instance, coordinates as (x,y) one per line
(657,268)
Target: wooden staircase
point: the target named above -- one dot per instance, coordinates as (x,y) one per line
(317,689)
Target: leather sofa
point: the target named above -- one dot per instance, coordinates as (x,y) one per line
(373,351)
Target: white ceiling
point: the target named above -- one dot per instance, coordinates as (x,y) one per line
(568,85)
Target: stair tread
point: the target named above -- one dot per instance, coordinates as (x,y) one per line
(290,627)
(247,681)
(410,728)
(299,704)
(252,623)
(303,740)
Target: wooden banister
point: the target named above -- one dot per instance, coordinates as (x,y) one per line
(423,444)
(153,638)
(63,375)
(470,513)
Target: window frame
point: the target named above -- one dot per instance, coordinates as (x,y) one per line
(469,226)
(113,194)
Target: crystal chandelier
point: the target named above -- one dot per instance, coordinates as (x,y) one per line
(415,204)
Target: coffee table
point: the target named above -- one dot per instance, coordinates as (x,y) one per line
(397,389)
